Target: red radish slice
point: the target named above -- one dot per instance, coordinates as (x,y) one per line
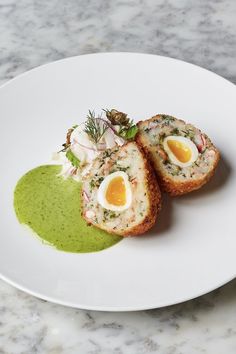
(200,142)
(86,197)
(90,214)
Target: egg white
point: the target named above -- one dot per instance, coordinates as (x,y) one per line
(186,142)
(101,194)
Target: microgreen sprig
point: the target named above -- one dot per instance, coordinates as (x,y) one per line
(95,127)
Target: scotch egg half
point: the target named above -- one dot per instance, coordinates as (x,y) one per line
(114,193)
(180,150)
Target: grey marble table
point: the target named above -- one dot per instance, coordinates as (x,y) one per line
(34,32)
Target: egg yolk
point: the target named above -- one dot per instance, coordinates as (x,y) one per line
(180,150)
(116,192)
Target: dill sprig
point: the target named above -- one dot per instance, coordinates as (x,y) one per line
(95,127)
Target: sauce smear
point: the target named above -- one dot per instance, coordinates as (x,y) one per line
(51,207)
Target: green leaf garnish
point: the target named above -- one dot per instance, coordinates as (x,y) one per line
(72,158)
(175,131)
(131,132)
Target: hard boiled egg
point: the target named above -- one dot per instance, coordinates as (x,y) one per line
(114,193)
(181,151)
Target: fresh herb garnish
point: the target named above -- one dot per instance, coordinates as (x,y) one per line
(100,179)
(72,158)
(127,129)
(167,120)
(176,171)
(188,133)
(107,153)
(108,214)
(129,133)
(147,130)
(162,136)
(175,131)
(120,168)
(95,182)
(191,134)
(92,184)
(95,127)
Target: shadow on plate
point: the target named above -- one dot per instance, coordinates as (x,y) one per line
(220,178)
(165,220)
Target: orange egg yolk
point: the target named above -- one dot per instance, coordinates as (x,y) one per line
(180,150)
(116,192)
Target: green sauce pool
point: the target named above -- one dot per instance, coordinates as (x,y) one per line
(51,207)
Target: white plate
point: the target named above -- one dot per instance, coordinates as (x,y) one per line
(192,249)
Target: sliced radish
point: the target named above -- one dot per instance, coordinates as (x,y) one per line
(200,142)
(86,197)
(90,214)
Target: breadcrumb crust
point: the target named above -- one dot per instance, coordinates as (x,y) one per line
(166,181)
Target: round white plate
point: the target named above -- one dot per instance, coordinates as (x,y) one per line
(192,248)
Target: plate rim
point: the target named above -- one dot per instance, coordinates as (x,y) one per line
(112,308)
(25,73)
(39,296)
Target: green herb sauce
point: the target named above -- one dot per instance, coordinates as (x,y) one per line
(51,207)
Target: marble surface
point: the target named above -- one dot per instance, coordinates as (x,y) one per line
(34,32)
